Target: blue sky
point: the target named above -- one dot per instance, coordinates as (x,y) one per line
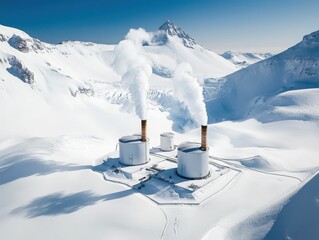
(220,25)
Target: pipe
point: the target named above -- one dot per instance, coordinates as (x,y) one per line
(203,146)
(143,126)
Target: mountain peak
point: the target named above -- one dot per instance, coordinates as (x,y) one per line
(168,24)
(172,30)
(311,39)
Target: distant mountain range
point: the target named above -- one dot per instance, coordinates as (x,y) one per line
(242,60)
(29,59)
(73,68)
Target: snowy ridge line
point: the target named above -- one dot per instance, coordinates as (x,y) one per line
(244,59)
(225,160)
(296,68)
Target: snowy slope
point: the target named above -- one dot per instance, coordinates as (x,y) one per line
(302,206)
(171,45)
(253,91)
(87,68)
(73,68)
(61,116)
(242,60)
(96,59)
(283,87)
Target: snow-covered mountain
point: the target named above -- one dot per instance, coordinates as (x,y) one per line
(242,60)
(171,30)
(267,89)
(84,64)
(63,109)
(72,68)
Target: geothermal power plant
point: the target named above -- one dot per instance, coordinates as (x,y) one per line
(192,157)
(168,173)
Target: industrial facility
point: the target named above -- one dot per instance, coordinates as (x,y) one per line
(192,157)
(169,173)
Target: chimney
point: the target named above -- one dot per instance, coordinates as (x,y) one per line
(204,138)
(143,126)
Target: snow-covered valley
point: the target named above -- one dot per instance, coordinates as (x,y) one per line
(64,107)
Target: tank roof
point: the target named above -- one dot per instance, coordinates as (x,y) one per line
(131,138)
(190,147)
(167,134)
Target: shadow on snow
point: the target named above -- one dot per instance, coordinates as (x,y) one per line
(59,203)
(24,165)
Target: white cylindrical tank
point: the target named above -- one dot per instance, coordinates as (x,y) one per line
(133,151)
(192,162)
(167,141)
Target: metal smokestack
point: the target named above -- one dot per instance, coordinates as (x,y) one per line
(143,127)
(203,146)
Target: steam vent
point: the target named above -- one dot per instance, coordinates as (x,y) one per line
(193,158)
(134,149)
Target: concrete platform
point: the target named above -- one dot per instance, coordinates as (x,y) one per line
(158,180)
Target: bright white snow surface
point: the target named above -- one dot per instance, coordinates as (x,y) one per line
(244,59)
(63,109)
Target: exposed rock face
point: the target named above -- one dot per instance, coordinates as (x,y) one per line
(25,45)
(87,91)
(18,43)
(82,90)
(172,30)
(19,71)
(2,38)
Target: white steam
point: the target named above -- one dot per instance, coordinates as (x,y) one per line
(135,69)
(189,92)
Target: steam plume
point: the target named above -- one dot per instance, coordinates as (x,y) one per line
(134,68)
(188,91)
